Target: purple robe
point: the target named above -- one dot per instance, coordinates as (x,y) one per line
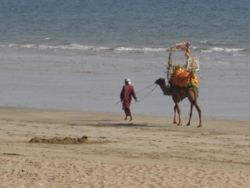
(126,97)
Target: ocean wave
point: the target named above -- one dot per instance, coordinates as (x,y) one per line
(122,49)
(220,49)
(11,45)
(47,38)
(139,50)
(206,46)
(75,46)
(64,47)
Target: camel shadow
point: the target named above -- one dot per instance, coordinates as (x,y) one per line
(126,124)
(114,123)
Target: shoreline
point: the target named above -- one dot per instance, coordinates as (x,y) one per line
(120,113)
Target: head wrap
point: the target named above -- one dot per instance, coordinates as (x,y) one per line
(128,80)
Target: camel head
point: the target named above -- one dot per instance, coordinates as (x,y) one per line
(167,90)
(160,81)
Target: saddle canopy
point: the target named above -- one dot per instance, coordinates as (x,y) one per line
(182,76)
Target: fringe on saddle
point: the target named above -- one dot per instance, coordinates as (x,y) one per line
(183,90)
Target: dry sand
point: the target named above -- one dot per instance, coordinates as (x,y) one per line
(149,152)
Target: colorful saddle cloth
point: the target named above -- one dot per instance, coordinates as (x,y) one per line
(183,78)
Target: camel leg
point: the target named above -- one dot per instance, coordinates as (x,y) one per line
(190,114)
(174,121)
(179,113)
(199,112)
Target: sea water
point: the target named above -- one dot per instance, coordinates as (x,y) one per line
(75,54)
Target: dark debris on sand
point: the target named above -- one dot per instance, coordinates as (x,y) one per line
(58,140)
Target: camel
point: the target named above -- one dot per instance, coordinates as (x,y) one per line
(178,94)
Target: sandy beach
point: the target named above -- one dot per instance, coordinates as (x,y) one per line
(147,152)
(62,68)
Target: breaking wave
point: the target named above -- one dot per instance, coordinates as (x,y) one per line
(220,49)
(80,47)
(121,49)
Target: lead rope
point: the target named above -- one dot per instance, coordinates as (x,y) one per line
(143,90)
(139,91)
(151,91)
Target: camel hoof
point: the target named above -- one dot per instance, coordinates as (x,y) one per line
(199,126)
(174,122)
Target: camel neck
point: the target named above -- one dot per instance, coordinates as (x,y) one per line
(165,89)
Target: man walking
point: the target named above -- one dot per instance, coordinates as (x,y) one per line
(126,95)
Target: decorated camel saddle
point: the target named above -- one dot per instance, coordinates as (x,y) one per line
(183,76)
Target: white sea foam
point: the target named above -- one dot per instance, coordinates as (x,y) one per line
(121,49)
(47,38)
(139,50)
(75,46)
(127,49)
(234,49)
(12,45)
(154,49)
(65,47)
(27,46)
(220,49)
